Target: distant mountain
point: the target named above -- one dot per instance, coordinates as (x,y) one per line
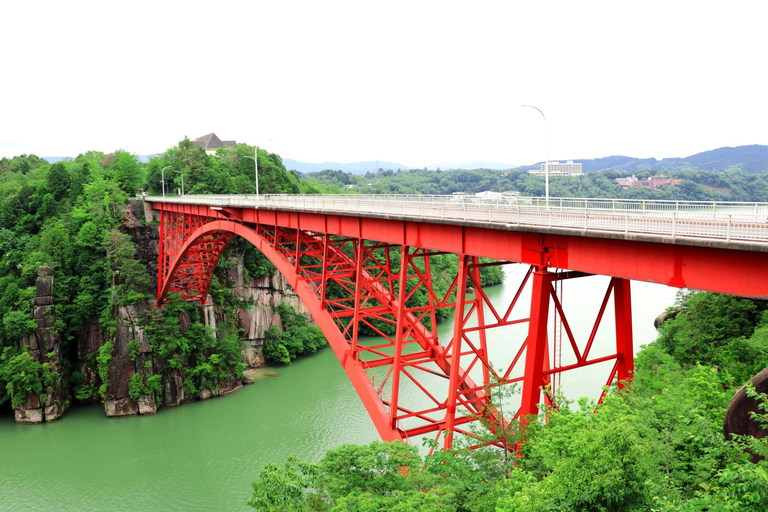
(476,164)
(372,166)
(351,168)
(751,159)
(53,159)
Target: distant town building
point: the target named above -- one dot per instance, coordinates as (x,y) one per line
(210,143)
(650,183)
(559,169)
(488,194)
(629,181)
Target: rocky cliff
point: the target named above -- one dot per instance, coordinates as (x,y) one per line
(118,366)
(44,346)
(133,356)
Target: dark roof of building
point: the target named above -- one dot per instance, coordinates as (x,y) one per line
(212,142)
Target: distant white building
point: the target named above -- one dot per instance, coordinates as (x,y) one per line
(488,194)
(559,169)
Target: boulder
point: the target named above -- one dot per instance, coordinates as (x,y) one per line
(147,404)
(121,407)
(737,417)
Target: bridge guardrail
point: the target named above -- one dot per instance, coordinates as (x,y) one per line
(723,221)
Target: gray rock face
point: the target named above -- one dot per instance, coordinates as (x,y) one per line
(146,238)
(43,346)
(131,356)
(263,295)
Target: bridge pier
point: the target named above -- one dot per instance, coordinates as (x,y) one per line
(536,344)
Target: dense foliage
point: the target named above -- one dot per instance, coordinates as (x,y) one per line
(297,337)
(658,447)
(68,216)
(726,332)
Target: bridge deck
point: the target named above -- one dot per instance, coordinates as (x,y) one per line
(725,224)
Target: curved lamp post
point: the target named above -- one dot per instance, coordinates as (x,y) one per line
(255,172)
(546,154)
(162,177)
(255,159)
(182,181)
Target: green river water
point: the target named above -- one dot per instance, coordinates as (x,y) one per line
(204,455)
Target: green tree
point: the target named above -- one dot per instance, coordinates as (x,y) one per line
(127,173)
(58,181)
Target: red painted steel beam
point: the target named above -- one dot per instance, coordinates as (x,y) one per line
(623,319)
(536,347)
(731,271)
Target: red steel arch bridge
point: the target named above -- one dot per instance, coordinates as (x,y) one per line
(357,260)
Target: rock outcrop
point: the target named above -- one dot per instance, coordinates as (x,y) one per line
(131,356)
(44,346)
(263,294)
(259,299)
(132,359)
(738,417)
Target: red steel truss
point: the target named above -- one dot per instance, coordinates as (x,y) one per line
(379,308)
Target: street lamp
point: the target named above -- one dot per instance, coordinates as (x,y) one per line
(182,181)
(255,172)
(255,159)
(162,177)
(546,155)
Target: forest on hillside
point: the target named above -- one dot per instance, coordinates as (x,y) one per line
(696,185)
(70,217)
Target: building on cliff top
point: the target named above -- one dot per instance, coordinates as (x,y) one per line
(210,143)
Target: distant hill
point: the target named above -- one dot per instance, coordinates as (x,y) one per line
(53,159)
(364,167)
(751,159)
(351,168)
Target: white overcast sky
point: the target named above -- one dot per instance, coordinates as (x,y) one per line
(414,82)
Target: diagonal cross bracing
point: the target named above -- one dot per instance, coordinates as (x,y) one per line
(412,379)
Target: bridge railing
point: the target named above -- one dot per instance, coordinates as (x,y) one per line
(724,221)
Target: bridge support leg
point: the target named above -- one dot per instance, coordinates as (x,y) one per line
(536,344)
(624,349)
(397,364)
(458,333)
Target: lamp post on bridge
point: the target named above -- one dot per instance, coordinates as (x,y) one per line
(546,155)
(162,177)
(255,159)
(182,180)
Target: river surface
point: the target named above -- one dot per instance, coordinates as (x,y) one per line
(204,455)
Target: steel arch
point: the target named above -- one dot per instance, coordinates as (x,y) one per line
(376,289)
